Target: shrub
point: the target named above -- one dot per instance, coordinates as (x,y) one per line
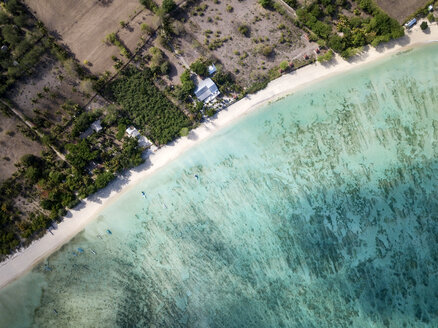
(431,17)
(266,3)
(111,38)
(80,154)
(103,179)
(336,43)
(284,65)
(149,4)
(200,67)
(147,29)
(292,3)
(266,51)
(325,57)
(366,5)
(188,86)
(4,18)
(165,68)
(11,35)
(168,6)
(121,130)
(184,132)
(424,25)
(82,122)
(229,8)
(210,112)
(157,56)
(244,30)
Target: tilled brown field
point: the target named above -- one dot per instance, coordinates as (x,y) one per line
(400,10)
(83,25)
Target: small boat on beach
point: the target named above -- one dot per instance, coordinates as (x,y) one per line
(143,194)
(92,252)
(197,177)
(108,231)
(80,250)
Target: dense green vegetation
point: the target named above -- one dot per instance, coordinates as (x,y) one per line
(185,90)
(325,57)
(424,26)
(350,33)
(225,81)
(149,4)
(266,3)
(158,64)
(83,122)
(80,154)
(147,107)
(168,6)
(58,186)
(200,67)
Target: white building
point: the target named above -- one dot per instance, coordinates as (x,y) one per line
(96,126)
(143,142)
(132,132)
(206,90)
(212,69)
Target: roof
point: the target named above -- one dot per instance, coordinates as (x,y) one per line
(145,142)
(411,22)
(132,132)
(206,90)
(96,126)
(212,69)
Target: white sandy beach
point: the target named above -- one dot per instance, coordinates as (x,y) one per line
(77,219)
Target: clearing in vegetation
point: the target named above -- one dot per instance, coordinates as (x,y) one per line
(401,10)
(82,25)
(245,38)
(14,135)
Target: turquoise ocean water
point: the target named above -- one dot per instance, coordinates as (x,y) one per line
(319,210)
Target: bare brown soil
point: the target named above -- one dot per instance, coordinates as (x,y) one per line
(46,90)
(82,25)
(242,54)
(400,10)
(13,145)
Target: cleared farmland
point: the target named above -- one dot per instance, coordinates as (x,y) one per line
(82,25)
(400,10)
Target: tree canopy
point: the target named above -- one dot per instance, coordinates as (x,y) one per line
(148,108)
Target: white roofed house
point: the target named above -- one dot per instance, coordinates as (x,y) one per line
(96,126)
(212,69)
(132,132)
(206,90)
(143,142)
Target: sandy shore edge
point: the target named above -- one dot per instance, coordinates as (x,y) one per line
(76,219)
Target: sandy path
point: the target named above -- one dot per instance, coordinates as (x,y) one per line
(78,218)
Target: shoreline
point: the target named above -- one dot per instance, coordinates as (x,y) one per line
(76,219)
